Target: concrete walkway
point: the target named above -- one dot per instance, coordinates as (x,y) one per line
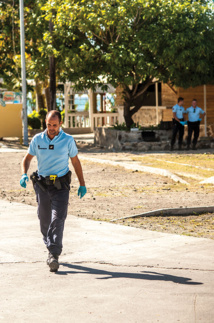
(108,273)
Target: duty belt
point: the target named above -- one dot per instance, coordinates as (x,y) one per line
(54,180)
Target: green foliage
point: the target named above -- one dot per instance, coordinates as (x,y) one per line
(129,43)
(63,115)
(34,120)
(86,106)
(124,127)
(113,109)
(121,126)
(42,114)
(34,114)
(37,64)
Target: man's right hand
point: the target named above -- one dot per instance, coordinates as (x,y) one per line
(23,180)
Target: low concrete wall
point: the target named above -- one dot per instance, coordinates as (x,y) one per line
(124,140)
(145,116)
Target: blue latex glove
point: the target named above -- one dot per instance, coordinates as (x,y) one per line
(23,180)
(199,119)
(182,122)
(82,191)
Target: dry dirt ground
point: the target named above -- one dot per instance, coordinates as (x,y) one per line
(114,192)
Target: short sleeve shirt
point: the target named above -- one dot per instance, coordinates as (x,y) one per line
(194,113)
(179,110)
(53,155)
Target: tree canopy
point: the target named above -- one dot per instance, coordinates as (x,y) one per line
(126,43)
(10,61)
(131,43)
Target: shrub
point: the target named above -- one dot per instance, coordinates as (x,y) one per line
(121,126)
(86,106)
(34,120)
(63,115)
(42,114)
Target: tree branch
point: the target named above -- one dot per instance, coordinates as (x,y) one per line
(126,92)
(135,90)
(172,88)
(148,83)
(135,109)
(100,38)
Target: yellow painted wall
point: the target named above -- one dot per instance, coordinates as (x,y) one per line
(10,120)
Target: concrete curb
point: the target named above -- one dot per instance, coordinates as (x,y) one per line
(209,180)
(130,166)
(174,212)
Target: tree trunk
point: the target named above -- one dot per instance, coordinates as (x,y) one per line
(47,97)
(127,114)
(40,95)
(133,98)
(52,83)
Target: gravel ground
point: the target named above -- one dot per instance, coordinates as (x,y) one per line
(114,192)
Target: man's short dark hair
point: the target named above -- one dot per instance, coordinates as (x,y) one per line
(194,100)
(54,113)
(180,99)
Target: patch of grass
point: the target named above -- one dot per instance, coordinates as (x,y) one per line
(138,207)
(179,165)
(194,225)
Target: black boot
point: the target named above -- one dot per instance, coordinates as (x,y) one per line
(52,262)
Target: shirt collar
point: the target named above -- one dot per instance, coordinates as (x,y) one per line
(59,134)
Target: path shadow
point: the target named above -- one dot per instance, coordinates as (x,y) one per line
(145,275)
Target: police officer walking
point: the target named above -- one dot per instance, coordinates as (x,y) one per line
(178,123)
(194,119)
(51,182)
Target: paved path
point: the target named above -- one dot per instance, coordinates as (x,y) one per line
(108,273)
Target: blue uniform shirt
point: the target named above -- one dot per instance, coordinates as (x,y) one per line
(179,111)
(53,155)
(194,113)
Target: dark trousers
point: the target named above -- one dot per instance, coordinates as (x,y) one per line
(177,127)
(52,212)
(193,127)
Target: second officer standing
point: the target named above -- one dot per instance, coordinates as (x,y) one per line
(194,118)
(178,123)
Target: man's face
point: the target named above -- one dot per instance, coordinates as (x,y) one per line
(181,103)
(53,126)
(194,104)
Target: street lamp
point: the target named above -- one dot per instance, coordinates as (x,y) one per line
(24,88)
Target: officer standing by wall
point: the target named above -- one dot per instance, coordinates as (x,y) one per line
(51,182)
(178,123)
(194,119)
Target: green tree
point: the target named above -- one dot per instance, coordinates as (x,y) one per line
(131,43)
(37,59)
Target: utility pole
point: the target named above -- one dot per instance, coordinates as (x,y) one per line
(24,85)
(52,68)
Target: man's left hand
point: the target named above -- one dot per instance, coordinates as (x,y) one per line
(82,191)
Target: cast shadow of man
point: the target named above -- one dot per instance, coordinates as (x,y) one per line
(145,275)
